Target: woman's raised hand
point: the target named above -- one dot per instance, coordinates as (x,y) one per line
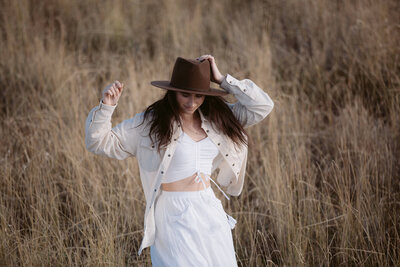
(216,75)
(112,92)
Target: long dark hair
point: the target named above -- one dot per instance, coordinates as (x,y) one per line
(165,111)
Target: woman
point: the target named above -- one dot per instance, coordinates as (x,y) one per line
(179,141)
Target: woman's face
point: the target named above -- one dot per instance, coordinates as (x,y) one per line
(189,103)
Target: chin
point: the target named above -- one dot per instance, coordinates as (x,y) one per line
(188,111)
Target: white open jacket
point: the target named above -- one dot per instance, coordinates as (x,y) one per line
(126,140)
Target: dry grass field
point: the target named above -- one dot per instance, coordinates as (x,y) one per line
(322,185)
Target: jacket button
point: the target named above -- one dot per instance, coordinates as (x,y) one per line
(207,131)
(244,90)
(219,144)
(226,155)
(162,172)
(152,146)
(233,164)
(169,155)
(174,139)
(155,190)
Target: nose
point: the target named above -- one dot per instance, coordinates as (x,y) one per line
(191,101)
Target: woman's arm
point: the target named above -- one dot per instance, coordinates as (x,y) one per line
(119,142)
(253,103)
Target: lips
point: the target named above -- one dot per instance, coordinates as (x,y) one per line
(189,109)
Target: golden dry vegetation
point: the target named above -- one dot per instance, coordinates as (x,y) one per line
(322,187)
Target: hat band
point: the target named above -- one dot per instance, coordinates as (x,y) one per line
(189,87)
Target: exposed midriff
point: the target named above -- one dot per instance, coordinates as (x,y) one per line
(186,184)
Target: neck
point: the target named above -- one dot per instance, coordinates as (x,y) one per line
(189,118)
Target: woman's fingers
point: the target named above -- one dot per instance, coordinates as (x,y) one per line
(117,84)
(118,87)
(121,88)
(203,57)
(115,89)
(108,91)
(112,92)
(216,74)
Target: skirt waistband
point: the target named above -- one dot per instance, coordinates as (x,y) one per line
(186,194)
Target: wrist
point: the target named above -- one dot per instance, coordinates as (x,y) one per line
(108,103)
(221,79)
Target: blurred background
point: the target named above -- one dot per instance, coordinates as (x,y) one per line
(322,183)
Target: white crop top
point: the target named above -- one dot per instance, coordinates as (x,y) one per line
(192,157)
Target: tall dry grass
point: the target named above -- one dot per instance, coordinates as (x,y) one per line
(322,186)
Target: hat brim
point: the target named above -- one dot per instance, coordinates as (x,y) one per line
(166,85)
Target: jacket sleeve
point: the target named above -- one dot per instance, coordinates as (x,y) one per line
(119,142)
(253,103)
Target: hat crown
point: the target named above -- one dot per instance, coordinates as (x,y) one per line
(191,75)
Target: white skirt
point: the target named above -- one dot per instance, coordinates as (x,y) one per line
(192,229)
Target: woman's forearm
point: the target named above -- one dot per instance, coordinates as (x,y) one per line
(253,103)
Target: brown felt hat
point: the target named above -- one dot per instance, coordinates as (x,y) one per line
(190,76)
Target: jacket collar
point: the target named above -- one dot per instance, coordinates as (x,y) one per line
(202,116)
(178,129)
